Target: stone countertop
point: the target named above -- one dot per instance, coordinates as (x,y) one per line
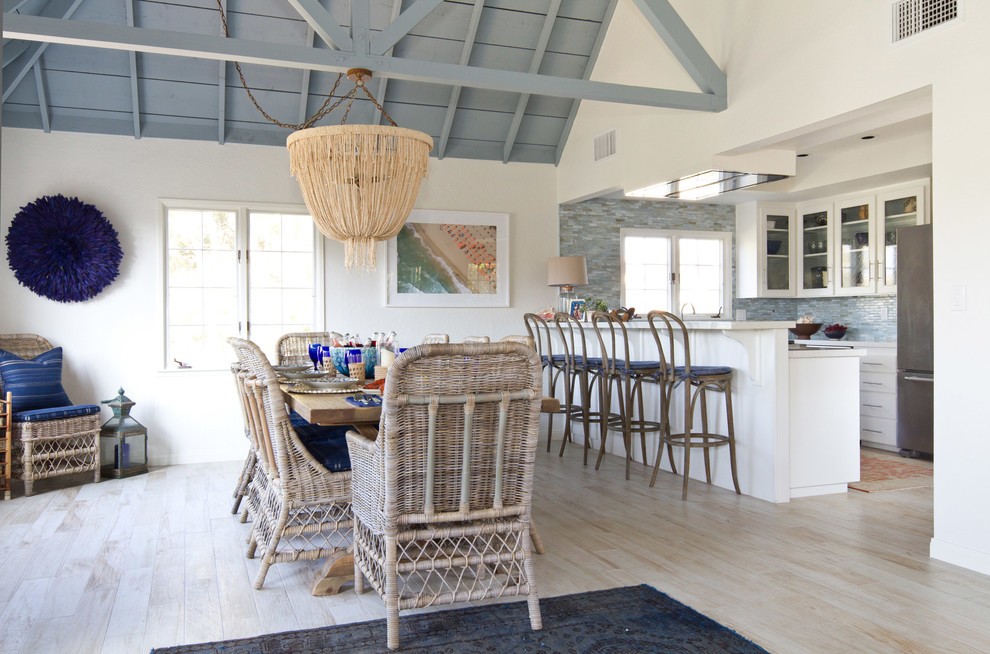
(828,342)
(727,325)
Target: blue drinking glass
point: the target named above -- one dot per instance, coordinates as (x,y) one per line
(314,354)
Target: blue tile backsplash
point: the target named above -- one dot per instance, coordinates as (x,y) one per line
(591,229)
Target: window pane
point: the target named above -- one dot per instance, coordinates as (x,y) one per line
(297,306)
(646,272)
(185,229)
(218,230)
(266,306)
(701,273)
(266,231)
(185,268)
(266,269)
(297,233)
(220,269)
(297,270)
(185,306)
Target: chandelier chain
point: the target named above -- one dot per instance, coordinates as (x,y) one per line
(324,109)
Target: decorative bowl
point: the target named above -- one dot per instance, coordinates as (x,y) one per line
(338,356)
(835,335)
(804,330)
(773,247)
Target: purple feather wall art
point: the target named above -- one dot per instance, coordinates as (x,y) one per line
(63,249)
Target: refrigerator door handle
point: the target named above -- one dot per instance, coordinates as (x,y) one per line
(930,380)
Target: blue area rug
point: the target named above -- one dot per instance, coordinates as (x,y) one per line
(619,620)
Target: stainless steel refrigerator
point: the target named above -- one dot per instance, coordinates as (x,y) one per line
(915,346)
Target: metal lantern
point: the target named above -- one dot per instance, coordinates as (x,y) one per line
(123,441)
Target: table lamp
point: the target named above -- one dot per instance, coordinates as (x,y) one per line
(566,273)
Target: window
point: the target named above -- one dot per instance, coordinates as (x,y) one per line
(665,270)
(253,271)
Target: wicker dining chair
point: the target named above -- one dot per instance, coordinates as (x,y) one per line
(434,339)
(6,442)
(293,348)
(443,497)
(54,441)
(582,375)
(300,507)
(241,376)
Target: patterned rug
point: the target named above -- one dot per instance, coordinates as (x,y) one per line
(630,619)
(881,471)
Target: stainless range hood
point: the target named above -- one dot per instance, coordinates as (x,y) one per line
(704,185)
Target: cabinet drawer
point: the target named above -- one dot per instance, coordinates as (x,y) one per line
(878,405)
(881,382)
(873,362)
(878,430)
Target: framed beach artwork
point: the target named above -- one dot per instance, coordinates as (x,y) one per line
(450,259)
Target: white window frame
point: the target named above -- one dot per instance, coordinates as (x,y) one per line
(242,209)
(675,288)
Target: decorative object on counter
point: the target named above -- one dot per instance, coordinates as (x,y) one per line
(805,327)
(123,441)
(566,273)
(862,239)
(63,249)
(835,331)
(623,314)
(577,309)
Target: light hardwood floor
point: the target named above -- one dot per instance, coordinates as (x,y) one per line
(126,565)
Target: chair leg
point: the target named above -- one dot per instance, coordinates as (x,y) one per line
(638,390)
(688,423)
(533,600)
(625,409)
(703,390)
(356,553)
(605,404)
(534,536)
(269,555)
(586,413)
(391,593)
(731,432)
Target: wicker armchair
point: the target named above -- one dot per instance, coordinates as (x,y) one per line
(293,348)
(60,442)
(300,509)
(244,396)
(443,498)
(6,440)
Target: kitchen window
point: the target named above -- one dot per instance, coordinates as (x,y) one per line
(249,270)
(667,269)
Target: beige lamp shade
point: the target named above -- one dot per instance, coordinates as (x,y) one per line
(359,182)
(567,271)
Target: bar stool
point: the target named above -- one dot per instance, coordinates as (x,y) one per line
(626,376)
(553,364)
(700,380)
(582,372)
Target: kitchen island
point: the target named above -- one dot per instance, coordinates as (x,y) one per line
(758,352)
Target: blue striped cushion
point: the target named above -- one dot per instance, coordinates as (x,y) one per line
(56,413)
(36,384)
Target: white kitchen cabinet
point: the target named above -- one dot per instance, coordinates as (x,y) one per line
(878,397)
(814,237)
(831,247)
(897,207)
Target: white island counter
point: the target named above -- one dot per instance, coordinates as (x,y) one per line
(758,352)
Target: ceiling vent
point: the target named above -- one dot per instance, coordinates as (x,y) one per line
(605,146)
(913,17)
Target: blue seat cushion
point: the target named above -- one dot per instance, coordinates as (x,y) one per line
(56,413)
(703,371)
(638,365)
(331,451)
(35,384)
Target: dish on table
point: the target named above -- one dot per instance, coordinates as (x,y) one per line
(339,385)
(300,375)
(292,368)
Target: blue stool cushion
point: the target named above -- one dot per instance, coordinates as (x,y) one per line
(56,413)
(703,371)
(638,365)
(36,384)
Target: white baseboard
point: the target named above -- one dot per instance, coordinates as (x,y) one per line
(960,555)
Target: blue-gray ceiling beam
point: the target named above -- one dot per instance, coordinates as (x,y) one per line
(534,67)
(12,50)
(42,99)
(588,69)
(383,81)
(222,93)
(455,93)
(401,25)
(63,8)
(683,44)
(132,61)
(304,89)
(323,23)
(206,46)
(360,27)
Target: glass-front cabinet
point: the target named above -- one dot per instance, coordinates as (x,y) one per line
(896,208)
(777,225)
(814,247)
(854,249)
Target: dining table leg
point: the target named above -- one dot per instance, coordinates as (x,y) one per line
(337,570)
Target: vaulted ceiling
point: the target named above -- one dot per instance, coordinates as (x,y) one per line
(487,79)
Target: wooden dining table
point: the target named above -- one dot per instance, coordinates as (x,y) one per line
(334,409)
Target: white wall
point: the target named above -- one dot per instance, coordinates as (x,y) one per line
(115,339)
(796,63)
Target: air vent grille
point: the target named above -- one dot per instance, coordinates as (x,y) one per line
(605,146)
(915,16)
